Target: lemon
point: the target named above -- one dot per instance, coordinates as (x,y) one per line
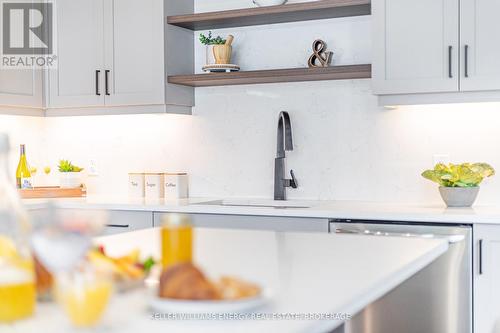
(132,257)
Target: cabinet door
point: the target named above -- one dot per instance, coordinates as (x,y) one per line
(480,45)
(77,81)
(486,278)
(415,46)
(126,221)
(21,88)
(134,52)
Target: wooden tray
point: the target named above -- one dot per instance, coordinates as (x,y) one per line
(53,192)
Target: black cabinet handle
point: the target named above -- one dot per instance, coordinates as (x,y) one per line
(293,181)
(107,82)
(97,88)
(481,257)
(450,72)
(118,225)
(466,60)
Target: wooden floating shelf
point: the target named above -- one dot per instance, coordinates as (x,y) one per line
(51,192)
(315,10)
(274,76)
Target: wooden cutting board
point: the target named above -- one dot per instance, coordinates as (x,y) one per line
(53,192)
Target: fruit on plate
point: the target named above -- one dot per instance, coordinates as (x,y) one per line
(127,267)
(234,288)
(186,282)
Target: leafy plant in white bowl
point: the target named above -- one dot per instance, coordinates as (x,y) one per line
(459,183)
(69,174)
(210,42)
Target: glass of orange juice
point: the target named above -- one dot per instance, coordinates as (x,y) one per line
(84,296)
(17,284)
(176,240)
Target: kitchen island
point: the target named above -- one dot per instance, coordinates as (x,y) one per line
(300,273)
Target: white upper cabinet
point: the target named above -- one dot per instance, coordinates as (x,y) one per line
(21,88)
(78,80)
(416,46)
(435,51)
(479,31)
(112,55)
(134,61)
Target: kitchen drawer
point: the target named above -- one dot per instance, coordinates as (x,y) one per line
(125,221)
(254,222)
(119,220)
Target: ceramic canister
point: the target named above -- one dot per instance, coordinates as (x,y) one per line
(153,185)
(136,185)
(176,185)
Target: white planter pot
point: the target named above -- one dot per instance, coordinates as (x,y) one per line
(209,56)
(459,196)
(70,179)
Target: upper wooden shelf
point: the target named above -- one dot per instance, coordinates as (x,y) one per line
(273,76)
(315,10)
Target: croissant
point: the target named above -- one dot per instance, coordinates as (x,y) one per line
(185,281)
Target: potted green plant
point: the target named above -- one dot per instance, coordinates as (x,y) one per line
(459,183)
(218,49)
(69,174)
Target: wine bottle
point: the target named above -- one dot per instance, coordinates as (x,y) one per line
(23,173)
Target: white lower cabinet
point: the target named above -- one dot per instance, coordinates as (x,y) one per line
(247,222)
(125,221)
(486,278)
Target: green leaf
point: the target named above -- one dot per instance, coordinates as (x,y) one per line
(148,264)
(459,175)
(209,40)
(67,166)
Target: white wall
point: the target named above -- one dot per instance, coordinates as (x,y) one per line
(346,147)
(23,130)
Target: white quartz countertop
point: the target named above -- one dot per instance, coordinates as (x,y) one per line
(355,210)
(301,272)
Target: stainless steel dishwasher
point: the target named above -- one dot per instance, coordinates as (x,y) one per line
(438,299)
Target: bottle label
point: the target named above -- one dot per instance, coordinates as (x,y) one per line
(26,183)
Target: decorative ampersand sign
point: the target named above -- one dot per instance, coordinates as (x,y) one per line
(320,55)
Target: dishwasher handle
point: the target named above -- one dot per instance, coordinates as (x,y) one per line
(373,230)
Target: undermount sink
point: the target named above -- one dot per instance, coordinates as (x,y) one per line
(257,203)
